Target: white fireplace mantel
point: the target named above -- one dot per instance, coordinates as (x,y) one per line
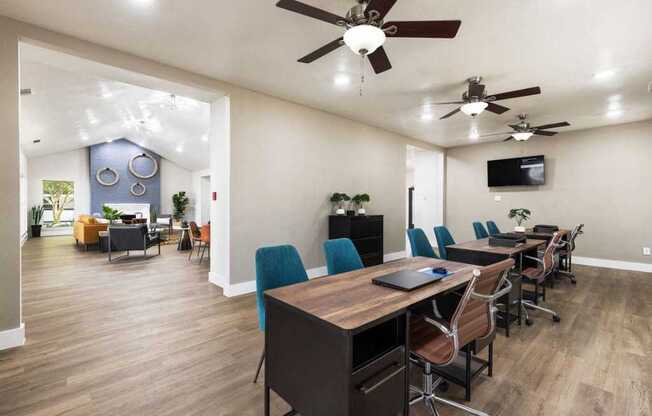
(141,210)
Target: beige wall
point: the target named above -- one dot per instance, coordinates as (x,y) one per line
(9,183)
(600,177)
(287,159)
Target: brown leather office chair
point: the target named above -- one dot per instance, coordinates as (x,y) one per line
(436,342)
(565,254)
(537,276)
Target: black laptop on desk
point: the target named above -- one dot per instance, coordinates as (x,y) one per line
(406,280)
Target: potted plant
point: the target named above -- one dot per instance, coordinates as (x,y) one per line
(110,214)
(520,215)
(180,202)
(359,200)
(338,200)
(37,215)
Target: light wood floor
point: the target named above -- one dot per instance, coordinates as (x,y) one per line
(155,338)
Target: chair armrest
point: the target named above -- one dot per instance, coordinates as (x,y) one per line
(538,260)
(492,298)
(441,325)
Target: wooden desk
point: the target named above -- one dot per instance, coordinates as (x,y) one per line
(481,253)
(339,345)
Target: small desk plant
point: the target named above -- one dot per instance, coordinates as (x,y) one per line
(37,215)
(338,199)
(359,200)
(520,215)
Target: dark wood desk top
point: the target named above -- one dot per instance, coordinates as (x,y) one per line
(351,300)
(483,245)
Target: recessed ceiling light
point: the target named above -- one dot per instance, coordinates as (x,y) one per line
(606,74)
(109,140)
(615,106)
(179,149)
(84,137)
(474,135)
(342,80)
(204,138)
(615,114)
(427,116)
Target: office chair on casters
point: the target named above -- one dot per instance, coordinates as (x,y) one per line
(566,253)
(436,342)
(537,276)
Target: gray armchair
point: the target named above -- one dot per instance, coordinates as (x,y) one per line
(132,238)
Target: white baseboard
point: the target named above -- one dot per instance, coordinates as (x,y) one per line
(250,286)
(12,338)
(613,264)
(239,289)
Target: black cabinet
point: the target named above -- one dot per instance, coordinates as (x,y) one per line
(366,232)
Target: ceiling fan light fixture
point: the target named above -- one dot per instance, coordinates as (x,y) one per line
(522,136)
(473,109)
(364,39)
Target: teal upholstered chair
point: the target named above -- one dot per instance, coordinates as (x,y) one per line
(444,238)
(480,231)
(419,243)
(341,256)
(275,267)
(492,228)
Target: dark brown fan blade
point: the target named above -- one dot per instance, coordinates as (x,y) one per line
(310,11)
(544,133)
(495,108)
(326,49)
(457,110)
(516,93)
(382,7)
(379,61)
(508,139)
(552,126)
(423,29)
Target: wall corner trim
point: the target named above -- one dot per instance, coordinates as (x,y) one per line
(12,338)
(244,288)
(613,264)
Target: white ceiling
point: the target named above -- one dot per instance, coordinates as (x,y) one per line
(73,109)
(557,44)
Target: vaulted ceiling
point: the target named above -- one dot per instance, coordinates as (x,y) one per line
(69,109)
(590,57)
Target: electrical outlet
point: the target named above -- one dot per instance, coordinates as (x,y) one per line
(646,251)
(498,198)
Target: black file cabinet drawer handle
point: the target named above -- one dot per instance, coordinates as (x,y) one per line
(381,378)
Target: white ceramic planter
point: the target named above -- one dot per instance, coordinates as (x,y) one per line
(519,229)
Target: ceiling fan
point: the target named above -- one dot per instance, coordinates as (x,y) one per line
(524,130)
(475,100)
(366,31)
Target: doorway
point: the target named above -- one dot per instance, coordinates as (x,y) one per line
(424,191)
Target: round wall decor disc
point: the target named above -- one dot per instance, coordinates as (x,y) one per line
(140,175)
(98,176)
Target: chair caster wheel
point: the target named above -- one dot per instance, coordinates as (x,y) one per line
(556,318)
(528,322)
(443,387)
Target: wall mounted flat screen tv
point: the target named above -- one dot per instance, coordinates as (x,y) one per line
(520,171)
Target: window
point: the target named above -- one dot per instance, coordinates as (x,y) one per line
(59,203)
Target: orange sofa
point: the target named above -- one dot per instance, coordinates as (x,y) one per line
(86,230)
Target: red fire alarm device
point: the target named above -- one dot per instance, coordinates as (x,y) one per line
(214,196)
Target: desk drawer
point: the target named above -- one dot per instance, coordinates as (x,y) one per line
(379,387)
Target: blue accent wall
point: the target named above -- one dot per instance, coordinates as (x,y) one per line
(116,155)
